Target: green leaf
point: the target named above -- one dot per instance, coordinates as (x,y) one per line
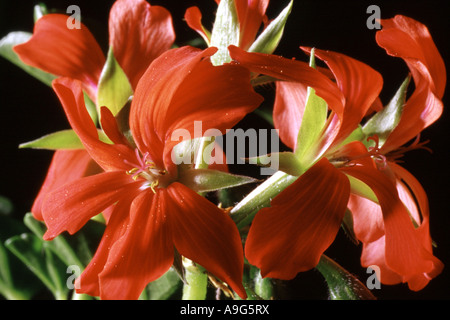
(342,285)
(206,180)
(269,39)
(39,259)
(164,287)
(58,245)
(6,206)
(313,122)
(65,139)
(6,51)
(386,120)
(114,88)
(16,281)
(61,140)
(225,31)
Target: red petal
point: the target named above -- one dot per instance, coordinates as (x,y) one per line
(65,52)
(367,219)
(290,101)
(301,223)
(359,83)
(66,166)
(291,70)
(139,33)
(207,235)
(217,97)
(109,157)
(144,250)
(72,205)
(251,15)
(410,40)
(404,254)
(119,219)
(193,18)
(111,128)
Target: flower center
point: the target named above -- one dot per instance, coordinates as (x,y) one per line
(145,169)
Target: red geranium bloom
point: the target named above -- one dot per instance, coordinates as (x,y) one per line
(306,216)
(410,40)
(153,213)
(138,34)
(251,14)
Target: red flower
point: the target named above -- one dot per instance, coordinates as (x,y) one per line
(251,14)
(410,40)
(138,34)
(306,216)
(153,213)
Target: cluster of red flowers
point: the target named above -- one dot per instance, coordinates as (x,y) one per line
(150,210)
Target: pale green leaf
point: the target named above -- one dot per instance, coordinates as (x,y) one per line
(269,39)
(61,140)
(386,120)
(313,122)
(206,180)
(65,139)
(225,31)
(114,88)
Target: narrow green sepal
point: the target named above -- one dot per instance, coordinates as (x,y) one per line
(342,285)
(386,120)
(207,180)
(361,189)
(61,140)
(39,11)
(114,88)
(64,139)
(313,122)
(225,31)
(6,51)
(287,162)
(269,39)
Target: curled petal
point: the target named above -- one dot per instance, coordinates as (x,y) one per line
(193,18)
(207,235)
(410,40)
(64,52)
(139,33)
(405,254)
(290,236)
(359,83)
(109,157)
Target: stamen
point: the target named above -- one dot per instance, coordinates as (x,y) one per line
(143,167)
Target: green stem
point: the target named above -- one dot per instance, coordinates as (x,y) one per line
(196,283)
(342,285)
(260,197)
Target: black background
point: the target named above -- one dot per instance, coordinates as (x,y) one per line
(29,109)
